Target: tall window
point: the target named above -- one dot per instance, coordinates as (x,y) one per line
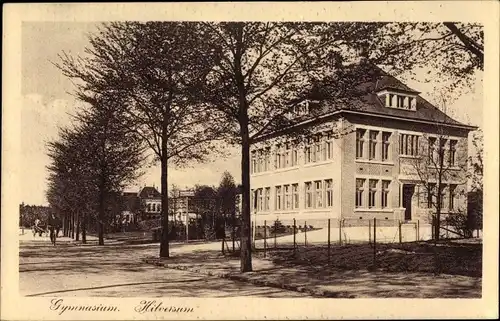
(329,192)
(360,182)
(295,155)
(360,133)
(442,150)
(431,148)
(431,190)
(288,197)
(328,154)
(372,192)
(318,190)
(149,207)
(288,155)
(252,200)
(453,195)
(280,162)
(159,207)
(385,145)
(154,207)
(308,151)
(279,198)
(295,196)
(253,163)
(385,194)
(267,198)
(267,159)
(453,151)
(316,152)
(260,164)
(260,200)
(408,145)
(372,144)
(309,195)
(443,195)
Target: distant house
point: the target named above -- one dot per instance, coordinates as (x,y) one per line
(150,200)
(132,207)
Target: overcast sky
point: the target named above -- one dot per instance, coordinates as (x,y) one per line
(46,104)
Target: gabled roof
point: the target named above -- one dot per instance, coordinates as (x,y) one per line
(359,94)
(149,192)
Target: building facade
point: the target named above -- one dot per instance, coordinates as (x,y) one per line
(379,158)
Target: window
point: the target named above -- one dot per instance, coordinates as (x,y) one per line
(268,159)
(295,155)
(400,101)
(372,192)
(385,145)
(288,155)
(307,151)
(408,145)
(252,200)
(295,196)
(253,163)
(309,195)
(385,194)
(154,207)
(443,195)
(279,198)
(372,144)
(280,157)
(318,191)
(267,198)
(453,150)
(260,199)
(288,197)
(329,193)
(360,133)
(159,207)
(442,150)
(149,207)
(451,204)
(431,189)
(328,153)
(317,149)
(432,147)
(360,182)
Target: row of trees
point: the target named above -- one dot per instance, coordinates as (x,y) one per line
(184,88)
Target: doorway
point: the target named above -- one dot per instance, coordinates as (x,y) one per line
(408,191)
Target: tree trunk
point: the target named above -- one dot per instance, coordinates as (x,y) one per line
(65,225)
(164,244)
(78,227)
(72,225)
(84,228)
(100,220)
(246,241)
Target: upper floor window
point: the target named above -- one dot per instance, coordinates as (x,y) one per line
(453,152)
(385,145)
(408,145)
(402,101)
(301,108)
(372,146)
(360,134)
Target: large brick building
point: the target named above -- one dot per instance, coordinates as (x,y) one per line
(360,161)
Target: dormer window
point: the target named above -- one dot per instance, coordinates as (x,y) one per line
(399,100)
(301,108)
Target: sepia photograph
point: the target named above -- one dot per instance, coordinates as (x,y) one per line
(240,158)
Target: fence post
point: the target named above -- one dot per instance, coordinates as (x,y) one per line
(374,242)
(340,231)
(275,231)
(305,233)
(294,232)
(418,230)
(369,232)
(400,236)
(265,237)
(223,252)
(329,244)
(254,234)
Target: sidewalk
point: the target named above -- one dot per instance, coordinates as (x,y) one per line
(322,283)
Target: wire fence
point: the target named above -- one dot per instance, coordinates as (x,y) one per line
(356,243)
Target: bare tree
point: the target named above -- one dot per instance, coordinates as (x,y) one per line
(438,159)
(155,68)
(452,51)
(264,71)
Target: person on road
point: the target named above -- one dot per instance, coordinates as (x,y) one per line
(37,228)
(52,224)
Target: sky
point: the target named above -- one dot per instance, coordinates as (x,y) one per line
(47,103)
